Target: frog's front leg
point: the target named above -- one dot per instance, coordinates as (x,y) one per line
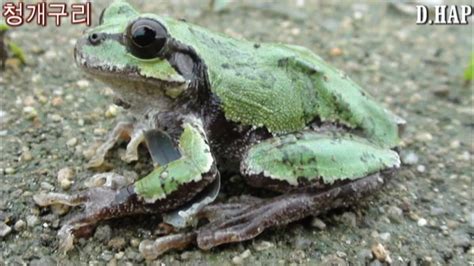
(166,188)
(134,133)
(318,172)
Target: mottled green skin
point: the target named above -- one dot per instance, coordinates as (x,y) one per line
(282,87)
(195,161)
(314,155)
(278,87)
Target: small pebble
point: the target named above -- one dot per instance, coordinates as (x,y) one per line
(395,214)
(106,255)
(29,100)
(117,243)
(464,156)
(65,177)
(42,99)
(318,223)
(111,111)
(297,256)
(455,144)
(71,142)
(238,260)
(55,118)
(385,237)
(365,255)
(82,83)
(376,263)
(103,233)
(32,220)
(421,168)
(135,242)
(349,218)
(30,112)
(380,253)
(26,156)
(9,170)
(186,255)
(46,186)
(341,254)
(263,245)
(119,255)
(45,260)
(4,229)
(335,51)
(415,98)
(57,101)
(4,118)
(422,222)
(331,260)
(461,239)
(302,242)
(442,92)
(410,158)
(295,31)
(19,225)
(89,152)
(452,224)
(99,131)
(437,211)
(424,137)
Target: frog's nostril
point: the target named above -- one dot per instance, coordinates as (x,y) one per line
(95,38)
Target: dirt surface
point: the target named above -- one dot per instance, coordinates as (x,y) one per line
(51,114)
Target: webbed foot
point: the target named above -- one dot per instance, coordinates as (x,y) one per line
(108,196)
(98,202)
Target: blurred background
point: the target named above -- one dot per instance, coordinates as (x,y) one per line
(52,115)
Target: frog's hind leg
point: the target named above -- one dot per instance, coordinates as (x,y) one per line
(249,220)
(122,131)
(318,171)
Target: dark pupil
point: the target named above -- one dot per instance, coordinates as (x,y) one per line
(144,36)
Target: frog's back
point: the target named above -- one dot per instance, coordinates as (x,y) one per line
(282,87)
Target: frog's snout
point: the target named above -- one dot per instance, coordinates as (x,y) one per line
(92,39)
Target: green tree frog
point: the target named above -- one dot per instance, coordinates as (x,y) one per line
(204,104)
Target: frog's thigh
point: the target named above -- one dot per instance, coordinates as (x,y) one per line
(296,159)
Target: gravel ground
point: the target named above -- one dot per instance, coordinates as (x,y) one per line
(51,114)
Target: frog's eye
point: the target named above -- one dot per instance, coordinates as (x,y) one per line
(146,38)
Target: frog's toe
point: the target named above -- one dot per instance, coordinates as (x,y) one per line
(136,138)
(109,179)
(231,224)
(152,249)
(123,130)
(66,238)
(223,211)
(48,199)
